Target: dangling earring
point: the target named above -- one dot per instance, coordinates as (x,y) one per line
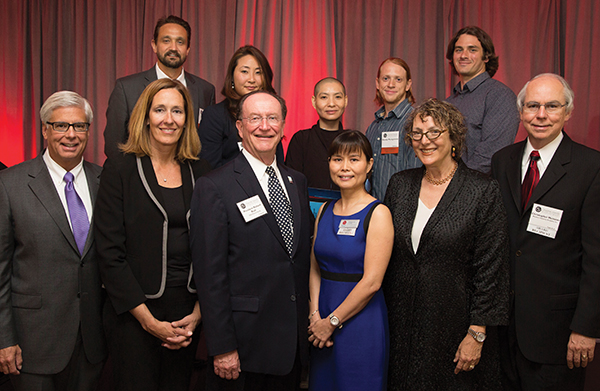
(232,85)
(453,151)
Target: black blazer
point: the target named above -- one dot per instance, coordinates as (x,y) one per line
(48,291)
(126,94)
(555,283)
(132,227)
(253,295)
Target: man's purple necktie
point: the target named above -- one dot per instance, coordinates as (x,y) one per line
(79,217)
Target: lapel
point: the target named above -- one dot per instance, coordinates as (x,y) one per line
(412,199)
(247,180)
(42,186)
(293,195)
(554,171)
(447,198)
(193,90)
(149,76)
(93,180)
(513,173)
(148,178)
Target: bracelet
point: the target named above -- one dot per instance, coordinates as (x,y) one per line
(311,315)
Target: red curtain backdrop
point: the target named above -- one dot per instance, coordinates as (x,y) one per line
(51,45)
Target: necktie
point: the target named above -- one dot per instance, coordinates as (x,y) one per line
(531,178)
(282,209)
(79,217)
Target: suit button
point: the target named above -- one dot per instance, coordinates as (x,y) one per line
(81,264)
(78,295)
(518,253)
(293,297)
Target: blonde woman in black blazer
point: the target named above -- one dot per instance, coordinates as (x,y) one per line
(142,226)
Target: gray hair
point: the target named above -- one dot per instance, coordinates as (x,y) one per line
(567,91)
(65,99)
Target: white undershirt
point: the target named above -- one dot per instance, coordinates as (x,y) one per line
(161,75)
(57,173)
(546,154)
(421,219)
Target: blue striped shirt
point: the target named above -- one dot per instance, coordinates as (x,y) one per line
(490,110)
(384,166)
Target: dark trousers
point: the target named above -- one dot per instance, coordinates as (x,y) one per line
(249,381)
(78,375)
(521,374)
(138,359)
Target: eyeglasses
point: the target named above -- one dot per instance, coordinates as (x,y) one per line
(255,120)
(551,107)
(64,126)
(431,134)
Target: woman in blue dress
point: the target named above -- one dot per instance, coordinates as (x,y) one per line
(353,244)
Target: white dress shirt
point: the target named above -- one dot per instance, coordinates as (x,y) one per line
(161,75)
(546,154)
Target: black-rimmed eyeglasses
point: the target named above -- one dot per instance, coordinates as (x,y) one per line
(64,126)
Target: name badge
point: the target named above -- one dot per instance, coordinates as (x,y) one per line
(251,208)
(544,220)
(348,227)
(390,141)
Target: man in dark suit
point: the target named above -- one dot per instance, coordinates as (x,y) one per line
(250,247)
(551,190)
(51,334)
(171,44)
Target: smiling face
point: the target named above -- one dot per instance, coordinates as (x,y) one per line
(66,148)
(330,102)
(166,119)
(349,169)
(543,127)
(432,153)
(392,84)
(469,58)
(171,46)
(247,75)
(261,139)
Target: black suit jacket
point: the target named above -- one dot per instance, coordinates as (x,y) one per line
(125,95)
(555,282)
(253,295)
(48,291)
(130,228)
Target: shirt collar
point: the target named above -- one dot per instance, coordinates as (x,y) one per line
(546,153)
(57,173)
(257,166)
(161,75)
(397,112)
(472,84)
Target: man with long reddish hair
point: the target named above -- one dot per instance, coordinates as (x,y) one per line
(393,91)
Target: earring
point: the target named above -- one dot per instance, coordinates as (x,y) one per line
(453,151)
(232,85)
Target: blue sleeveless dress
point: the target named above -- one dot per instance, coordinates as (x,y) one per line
(358,359)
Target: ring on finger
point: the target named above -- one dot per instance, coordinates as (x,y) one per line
(584,357)
(472,366)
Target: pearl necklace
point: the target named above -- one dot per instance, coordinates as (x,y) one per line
(439,182)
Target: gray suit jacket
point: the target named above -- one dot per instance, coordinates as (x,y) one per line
(47,289)
(125,95)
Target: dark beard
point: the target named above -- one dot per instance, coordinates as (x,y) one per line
(176,63)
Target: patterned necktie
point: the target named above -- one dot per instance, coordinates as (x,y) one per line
(531,179)
(79,217)
(282,209)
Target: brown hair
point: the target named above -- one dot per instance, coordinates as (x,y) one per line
(230,94)
(175,20)
(403,64)
(444,115)
(188,146)
(491,66)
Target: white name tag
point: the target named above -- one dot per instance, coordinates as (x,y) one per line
(348,227)
(544,220)
(251,208)
(390,142)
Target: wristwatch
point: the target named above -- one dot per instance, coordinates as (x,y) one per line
(478,335)
(335,321)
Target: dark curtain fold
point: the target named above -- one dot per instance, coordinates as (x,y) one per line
(50,45)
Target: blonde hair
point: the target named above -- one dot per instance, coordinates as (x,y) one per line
(138,143)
